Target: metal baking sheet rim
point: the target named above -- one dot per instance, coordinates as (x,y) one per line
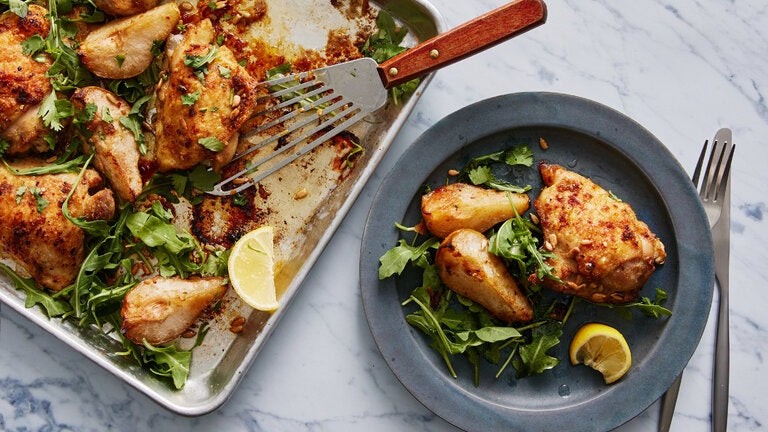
(57,328)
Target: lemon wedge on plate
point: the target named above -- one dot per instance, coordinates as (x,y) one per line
(602,348)
(251,269)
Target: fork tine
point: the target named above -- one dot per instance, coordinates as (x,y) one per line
(342,116)
(294,127)
(720,193)
(712,173)
(699,164)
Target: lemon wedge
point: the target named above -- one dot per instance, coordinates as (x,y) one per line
(251,269)
(602,348)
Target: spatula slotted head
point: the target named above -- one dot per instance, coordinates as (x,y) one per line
(325,101)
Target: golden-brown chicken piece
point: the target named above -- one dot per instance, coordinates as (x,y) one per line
(23,83)
(123,48)
(33,230)
(465,266)
(461,205)
(159,309)
(116,154)
(26,134)
(198,120)
(602,251)
(125,7)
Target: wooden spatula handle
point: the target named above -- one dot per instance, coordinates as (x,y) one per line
(482,32)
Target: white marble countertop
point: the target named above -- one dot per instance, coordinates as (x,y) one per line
(682,69)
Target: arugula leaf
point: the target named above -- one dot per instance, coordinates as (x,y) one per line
(652,308)
(197,62)
(280,72)
(533,357)
(168,361)
(53,307)
(60,165)
(98,228)
(66,71)
(155,232)
(515,241)
(394,260)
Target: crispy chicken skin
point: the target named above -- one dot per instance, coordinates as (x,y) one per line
(116,154)
(602,251)
(159,309)
(461,205)
(23,83)
(125,7)
(225,101)
(465,266)
(26,134)
(37,236)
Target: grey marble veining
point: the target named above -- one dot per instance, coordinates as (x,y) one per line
(681,69)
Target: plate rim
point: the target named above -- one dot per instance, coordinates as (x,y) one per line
(541,109)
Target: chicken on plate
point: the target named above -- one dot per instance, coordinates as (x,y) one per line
(602,252)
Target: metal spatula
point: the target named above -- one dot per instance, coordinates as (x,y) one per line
(331,99)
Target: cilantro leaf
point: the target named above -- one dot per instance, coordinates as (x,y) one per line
(212,143)
(189,99)
(52,110)
(40,202)
(19,7)
(385,44)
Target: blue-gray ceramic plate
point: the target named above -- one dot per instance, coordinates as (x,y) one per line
(619,155)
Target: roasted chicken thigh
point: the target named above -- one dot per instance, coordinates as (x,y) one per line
(207,97)
(602,252)
(23,81)
(33,230)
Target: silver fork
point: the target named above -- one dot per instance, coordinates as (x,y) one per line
(713,183)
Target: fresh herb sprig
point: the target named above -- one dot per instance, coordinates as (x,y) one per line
(479,172)
(384,44)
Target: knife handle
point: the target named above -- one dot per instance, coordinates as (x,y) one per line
(469,38)
(722,354)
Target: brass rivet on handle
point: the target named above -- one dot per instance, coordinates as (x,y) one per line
(393,71)
(434,53)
